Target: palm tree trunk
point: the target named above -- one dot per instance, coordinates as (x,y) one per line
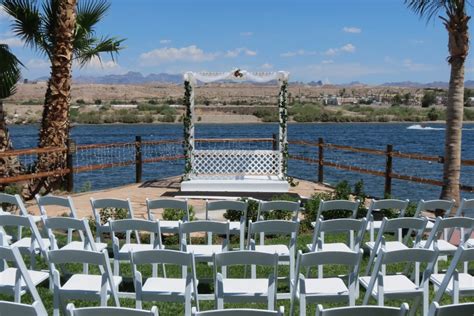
(9,166)
(454,119)
(55,120)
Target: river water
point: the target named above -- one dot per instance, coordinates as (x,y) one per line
(411,138)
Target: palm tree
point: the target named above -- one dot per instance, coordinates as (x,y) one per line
(456,21)
(9,76)
(64,32)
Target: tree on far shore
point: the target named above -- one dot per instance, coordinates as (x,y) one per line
(456,21)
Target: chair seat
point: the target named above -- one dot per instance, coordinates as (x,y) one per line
(326,286)
(234,227)
(375,225)
(127,248)
(79,245)
(165,286)
(87,283)
(26,243)
(466,282)
(245,286)
(7,277)
(337,246)
(169,226)
(393,284)
(389,245)
(443,246)
(36,218)
(204,250)
(281,250)
(429,225)
(470,242)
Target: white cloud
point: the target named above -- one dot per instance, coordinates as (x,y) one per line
(239,51)
(37,64)
(266,66)
(348,48)
(165,41)
(328,61)
(101,64)
(299,52)
(352,29)
(246,33)
(190,53)
(409,65)
(12,41)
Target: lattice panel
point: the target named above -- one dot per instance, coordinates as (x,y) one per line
(247,162)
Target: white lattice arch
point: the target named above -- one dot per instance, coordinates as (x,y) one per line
(248,168)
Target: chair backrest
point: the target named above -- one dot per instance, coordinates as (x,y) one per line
(204,226)
(7,308)
(138,225)
(12,308)
(70,224)
(245,257)
(109,311)
(355,227)
(398,226)
(334,205)
(239,312)
(266,207)
(432,205)
(14,200)
(240,206)
(466,205)
(166,203)
(320,258)
(465,309)
(23,222)
(399,206)
(277,227)
(363,310)
(98,204)
(445,225)
(51,200)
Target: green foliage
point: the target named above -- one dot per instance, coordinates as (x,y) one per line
(429,98)
(170,214)
(9,72)
(86,187)
(267,115)
(97,101)
(342,191)
(168,118)
(80,101)
(433,115)
(252,210)
(280,214)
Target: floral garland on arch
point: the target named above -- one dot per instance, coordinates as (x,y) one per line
(283,126)
(187,121)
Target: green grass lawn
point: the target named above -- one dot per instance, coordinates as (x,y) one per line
(205,271)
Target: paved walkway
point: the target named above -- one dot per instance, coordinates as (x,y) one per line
(152,190)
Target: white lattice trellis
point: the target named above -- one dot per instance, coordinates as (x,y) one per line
(237,162)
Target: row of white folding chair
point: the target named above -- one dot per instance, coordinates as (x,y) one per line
(363,310)
(466,309)
(239,312)
(109,311)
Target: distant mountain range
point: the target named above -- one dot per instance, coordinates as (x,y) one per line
(133,77)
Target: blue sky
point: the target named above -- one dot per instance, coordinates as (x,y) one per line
(337,41)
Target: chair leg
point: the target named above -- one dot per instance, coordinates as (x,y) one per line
(416,304)
(187,305)
(302,305)
(116,266)
(56,304)
(220,302)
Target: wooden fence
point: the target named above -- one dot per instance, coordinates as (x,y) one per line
(136,157)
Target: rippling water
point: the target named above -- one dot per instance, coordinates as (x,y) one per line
(427,140)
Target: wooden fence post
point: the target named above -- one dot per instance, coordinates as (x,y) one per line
(71,149)
(320,160)
(274,142)
(138,159)
(388,171)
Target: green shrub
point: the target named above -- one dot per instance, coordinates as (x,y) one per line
(170,214)
(108,213)
(97,101)
(252,209)
(432,114)
(168,118)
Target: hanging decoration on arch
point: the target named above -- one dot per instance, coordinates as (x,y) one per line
(190,81)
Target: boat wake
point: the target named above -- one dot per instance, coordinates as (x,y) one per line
(429,128)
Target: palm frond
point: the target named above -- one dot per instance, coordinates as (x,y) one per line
(48,22)
(89,13)
(9,71)
(95,47)
(26,21)
(427,8)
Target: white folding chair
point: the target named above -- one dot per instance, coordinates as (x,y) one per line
(433,205)
(240,312)
(109,311)
(265,208)
(377,206)
(354,227)
(466,309)
(16,202)
(442,227)
(397,226)
(337,205)
(27,245)
(286,253)
(163,289)
(333,289)
(236,228)
(203,253)
(235,290)
(466,206)
(363,310)
(83,286)
(397,286)
(102,224)
(17,280)
(126,226)
(168,226)
(454,283)
(11,308)
(66,203)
